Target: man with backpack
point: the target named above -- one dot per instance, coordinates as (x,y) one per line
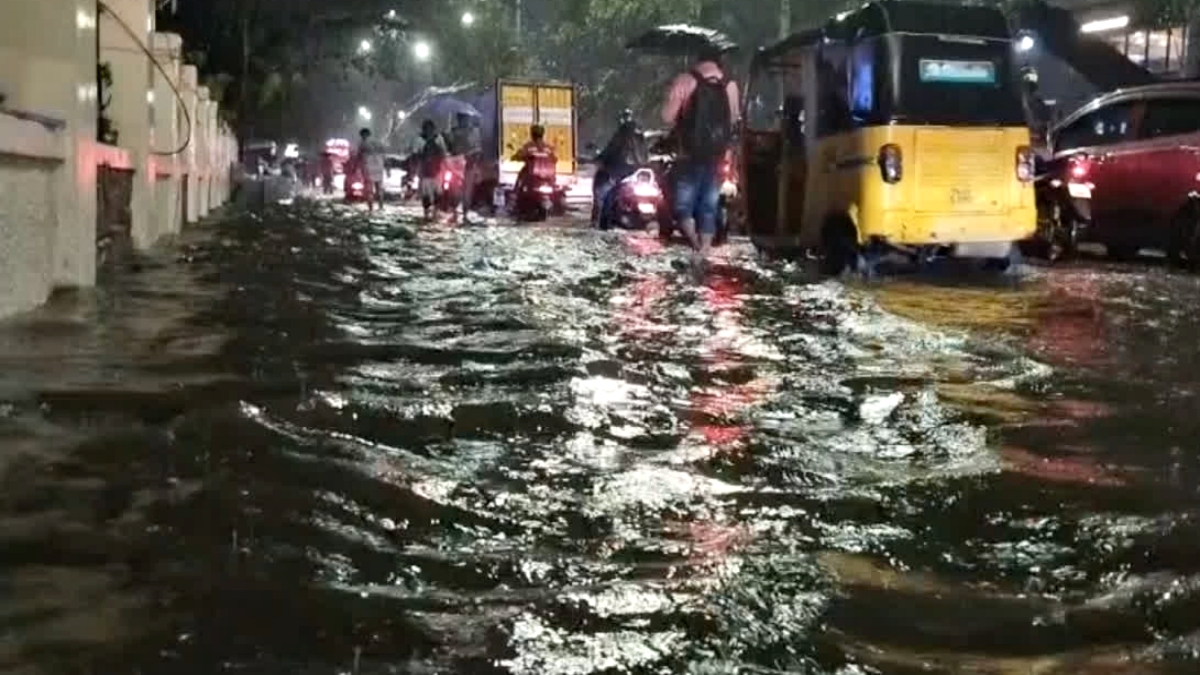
(702,108)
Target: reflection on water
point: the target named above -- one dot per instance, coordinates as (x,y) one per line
(317,442)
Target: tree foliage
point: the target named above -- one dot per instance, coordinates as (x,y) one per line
(292,67)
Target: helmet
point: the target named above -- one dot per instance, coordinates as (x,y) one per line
(537,132)
(625,117)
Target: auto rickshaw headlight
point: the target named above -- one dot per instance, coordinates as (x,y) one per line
(891,163)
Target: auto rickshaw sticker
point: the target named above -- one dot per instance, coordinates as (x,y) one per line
(957,72)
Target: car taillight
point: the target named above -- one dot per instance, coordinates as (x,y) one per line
(891,163)
(1024,164)
(1079,169)
(447,176)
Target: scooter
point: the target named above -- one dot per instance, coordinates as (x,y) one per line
(633,204)
(452,181)
(1063,192)
(355,187)
(537,195)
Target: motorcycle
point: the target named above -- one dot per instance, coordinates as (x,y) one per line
(537,195)
(452,181)
(634,203)
(1062,190)
(355,186)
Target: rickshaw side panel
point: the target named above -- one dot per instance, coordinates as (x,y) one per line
(774,149)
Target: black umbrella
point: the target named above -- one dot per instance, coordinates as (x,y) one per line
(681,40)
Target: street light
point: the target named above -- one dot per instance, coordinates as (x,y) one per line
(422,51)
(468,19)
(401,115)
(364,113)
(364,47)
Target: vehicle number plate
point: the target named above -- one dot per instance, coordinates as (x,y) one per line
(959,196)
(646,208)
(1079,191)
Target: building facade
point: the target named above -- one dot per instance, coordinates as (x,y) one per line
(1166,51)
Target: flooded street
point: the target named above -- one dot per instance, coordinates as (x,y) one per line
(307,441)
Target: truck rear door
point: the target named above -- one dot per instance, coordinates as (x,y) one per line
(556,112)
(516,103)
(521,104)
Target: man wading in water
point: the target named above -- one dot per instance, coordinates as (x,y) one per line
(370,160)
(465,142)
(702,109)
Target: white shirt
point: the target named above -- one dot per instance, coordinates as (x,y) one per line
(372,154)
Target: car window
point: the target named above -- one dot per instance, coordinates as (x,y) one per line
(1105,126)
(1171,117)
(393,163)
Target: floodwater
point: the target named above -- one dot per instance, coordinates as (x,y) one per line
(308,441)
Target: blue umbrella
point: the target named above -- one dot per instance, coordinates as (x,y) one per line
(442,104)
(446,107)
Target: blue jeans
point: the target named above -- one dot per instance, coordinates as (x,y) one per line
(603,192)
(697,195)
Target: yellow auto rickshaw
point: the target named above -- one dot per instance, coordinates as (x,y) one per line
(899,126)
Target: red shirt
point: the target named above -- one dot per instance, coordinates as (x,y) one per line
(540,157)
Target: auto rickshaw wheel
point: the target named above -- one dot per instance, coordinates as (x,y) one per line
(839,246)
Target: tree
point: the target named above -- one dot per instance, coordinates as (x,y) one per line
(263,51)
(283,62)
(588,47)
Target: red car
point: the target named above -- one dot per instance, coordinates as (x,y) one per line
(1125,173)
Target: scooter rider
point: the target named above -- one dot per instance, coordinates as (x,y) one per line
(538,156)
(625,153)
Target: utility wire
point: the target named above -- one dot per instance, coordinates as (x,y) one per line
(150,55)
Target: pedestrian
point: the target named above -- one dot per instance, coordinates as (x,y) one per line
(327,172)
(701,108)
(430,159)
(465,142)
(370,163)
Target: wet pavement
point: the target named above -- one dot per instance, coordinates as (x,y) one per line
(308,441)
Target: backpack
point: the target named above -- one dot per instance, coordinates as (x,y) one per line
(706,126)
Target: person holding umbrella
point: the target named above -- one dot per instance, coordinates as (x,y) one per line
(465,142)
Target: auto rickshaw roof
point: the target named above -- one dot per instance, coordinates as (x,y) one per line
(896,16)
